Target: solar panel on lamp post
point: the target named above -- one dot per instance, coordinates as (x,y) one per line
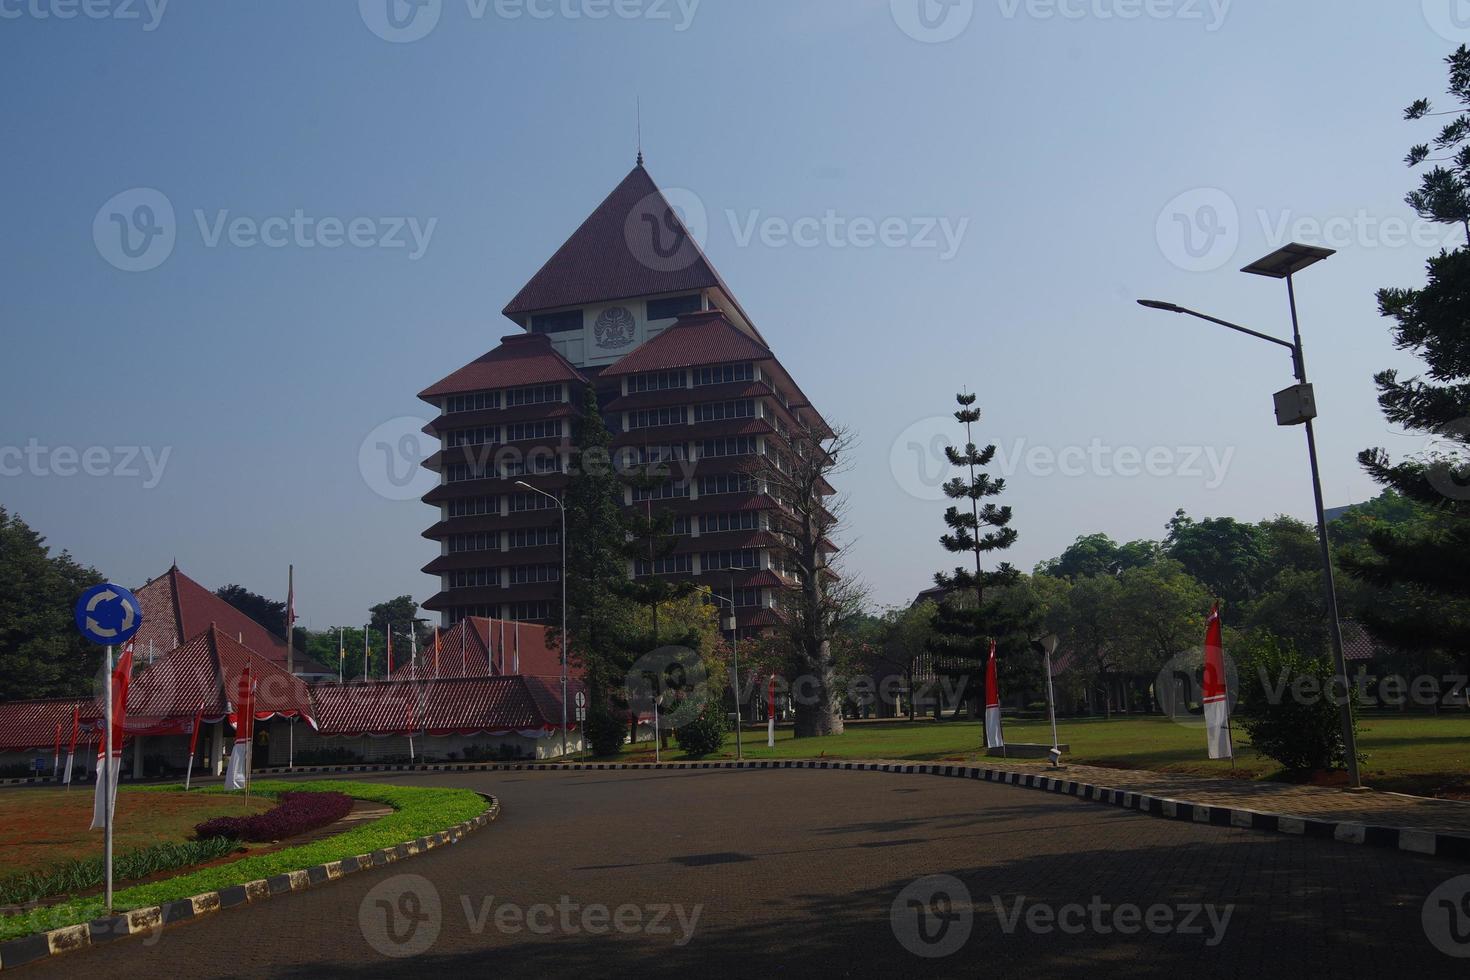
(1297,406)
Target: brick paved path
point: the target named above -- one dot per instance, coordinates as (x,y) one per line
(1368,807)
(796,872)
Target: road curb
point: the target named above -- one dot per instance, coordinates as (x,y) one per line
(1411,840)
(40,945)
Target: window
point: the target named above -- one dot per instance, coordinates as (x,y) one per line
(475,578)
(534,537)
(662,381)
(478,402)
(732,446)
(529,611)
(724,374)
(671,565)
(484,612)
(744,598)
(741,520)
(649,418)
(539,395)
(482,541)
(529,574)
(534,464)
(521,502)
(711,486)
(664,491)
(681,524)
(463,473)
(557,322)
(667,309)
(713,561)
(715,411)
(647,455)
(521,431)
(481,436)
(474,506)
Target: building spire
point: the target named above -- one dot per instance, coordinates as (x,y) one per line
(640,130)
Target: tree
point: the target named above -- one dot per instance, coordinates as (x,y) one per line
(650,541)
(400,615)
(976,529)
(266,612)
(41,652)
(902,643)
(1287,709)
(1223,553)
(797,469)
(597,573)
(1425,560)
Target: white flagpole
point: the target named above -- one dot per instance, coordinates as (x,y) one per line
(365,652)
(341,658)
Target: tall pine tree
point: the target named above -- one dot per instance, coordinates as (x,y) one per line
(977,527)
(1423,564)
(596,571)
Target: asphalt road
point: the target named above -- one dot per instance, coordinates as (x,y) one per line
(811,873)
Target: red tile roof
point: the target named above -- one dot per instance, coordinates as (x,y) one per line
(613,255)
(494,647)
(175,608)
(521,360)
(695,339)
(201,671)
(31,725)
(447,706)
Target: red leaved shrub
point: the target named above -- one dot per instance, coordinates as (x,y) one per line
(295,813)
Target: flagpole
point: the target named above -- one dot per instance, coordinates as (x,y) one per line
(290,619)
(105,773)
(341,658)
(365,652)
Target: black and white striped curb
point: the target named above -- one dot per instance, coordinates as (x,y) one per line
(1434,843)
(28,949)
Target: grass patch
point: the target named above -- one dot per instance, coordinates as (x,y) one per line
(41,829)
(1423,754)
(417,812)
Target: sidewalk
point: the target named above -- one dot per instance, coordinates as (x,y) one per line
(1369,807)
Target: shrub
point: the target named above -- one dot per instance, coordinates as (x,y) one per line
(328,757)
(1290,709)
(296,813)
(706,732)
(604,731)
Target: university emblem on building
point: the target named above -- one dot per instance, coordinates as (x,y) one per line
(614,328)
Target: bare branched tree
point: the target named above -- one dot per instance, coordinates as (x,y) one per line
(797,470)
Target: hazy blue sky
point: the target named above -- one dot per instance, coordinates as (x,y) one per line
(1066,146)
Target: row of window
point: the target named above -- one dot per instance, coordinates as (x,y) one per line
(657,381)
(481,436)
(744,598)
(723,374)
(483,578)
(480,401)
(740,520)
(522,612)
(538,464)
(713,561)
(474,506)
(717,411)
(534,537)
(668,490)
(671,565)
(649,418)
(729,446)
(544,429)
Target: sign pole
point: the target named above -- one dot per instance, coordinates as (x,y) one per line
(105,772)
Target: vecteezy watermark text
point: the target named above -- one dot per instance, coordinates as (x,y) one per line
(123,462)
(405,21)
(148,12)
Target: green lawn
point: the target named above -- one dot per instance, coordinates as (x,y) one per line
(1416,753)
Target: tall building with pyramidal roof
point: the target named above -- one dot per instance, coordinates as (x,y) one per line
(629,304)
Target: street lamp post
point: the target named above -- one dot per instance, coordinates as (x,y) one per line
(561,506)
(1297,406)
(735,653)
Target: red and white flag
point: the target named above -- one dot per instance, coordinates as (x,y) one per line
(71,751)
(994,738)
(243,718)
(1214,692)
(105,800)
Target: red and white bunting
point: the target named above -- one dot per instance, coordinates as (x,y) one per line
(994,737)
(105,800)
(1214,693)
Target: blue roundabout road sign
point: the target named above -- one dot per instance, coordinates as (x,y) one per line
(108,614)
